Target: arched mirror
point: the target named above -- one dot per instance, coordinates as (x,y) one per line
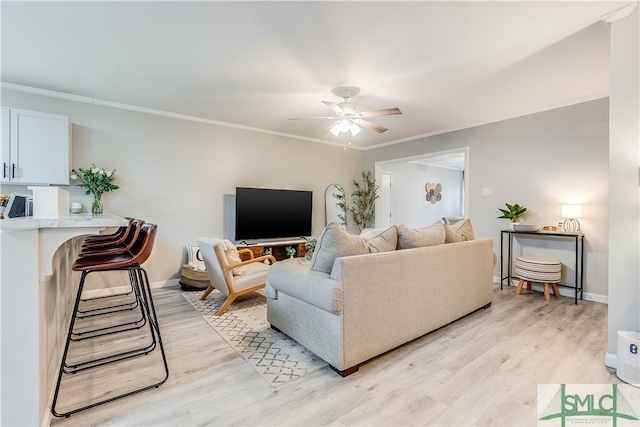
(335,205)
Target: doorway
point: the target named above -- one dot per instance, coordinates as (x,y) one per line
(405,201)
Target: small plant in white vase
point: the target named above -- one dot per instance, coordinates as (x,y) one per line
(513,213)
(290,251)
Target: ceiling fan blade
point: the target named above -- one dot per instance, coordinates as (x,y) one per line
(335,107)
(305,118)
(369,125)
(378,113)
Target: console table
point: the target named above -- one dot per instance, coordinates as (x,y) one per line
(277,248)
(578,239)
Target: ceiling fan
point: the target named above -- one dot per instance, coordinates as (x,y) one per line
(347,116)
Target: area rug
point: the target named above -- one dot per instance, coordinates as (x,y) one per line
(276,357)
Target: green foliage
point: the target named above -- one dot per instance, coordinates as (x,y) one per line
(290,251)
(96,180)
(363,200)
(310,244)
(342,204)
(513,212)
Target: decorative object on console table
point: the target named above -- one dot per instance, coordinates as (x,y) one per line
(571,212)
(97,181)
(513,213)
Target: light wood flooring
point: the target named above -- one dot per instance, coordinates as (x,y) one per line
(481,370)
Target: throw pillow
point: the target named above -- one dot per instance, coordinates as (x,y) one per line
(233,257)
(368,233)
(194,258)
(381,240)
(461,231)
(334,242)
(420,237)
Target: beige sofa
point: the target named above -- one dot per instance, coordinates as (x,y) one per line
(372,303)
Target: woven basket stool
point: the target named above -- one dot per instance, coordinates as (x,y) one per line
(533,269)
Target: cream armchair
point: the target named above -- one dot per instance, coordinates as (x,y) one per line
(221,275)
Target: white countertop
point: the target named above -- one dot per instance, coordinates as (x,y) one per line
(71,221)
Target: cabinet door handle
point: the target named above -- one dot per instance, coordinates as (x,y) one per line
(4,170)
(13,170)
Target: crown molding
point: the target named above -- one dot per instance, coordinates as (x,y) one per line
(618,14)
(129,107)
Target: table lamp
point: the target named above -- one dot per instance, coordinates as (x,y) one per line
(571,212)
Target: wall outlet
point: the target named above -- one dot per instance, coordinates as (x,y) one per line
(487,192)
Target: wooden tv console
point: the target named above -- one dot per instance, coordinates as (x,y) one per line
(277,248)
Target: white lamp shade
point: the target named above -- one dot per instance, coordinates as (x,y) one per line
(571,211)
(335,129)
(355,129)
(344,125)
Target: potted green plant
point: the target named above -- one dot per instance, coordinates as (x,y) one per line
(513,212)
(363,201)
(311,246)
(290,251)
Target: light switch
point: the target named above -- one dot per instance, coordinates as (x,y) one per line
(487,191)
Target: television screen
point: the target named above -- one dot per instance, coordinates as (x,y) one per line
(263,213)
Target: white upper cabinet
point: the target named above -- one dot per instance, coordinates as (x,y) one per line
(35,147)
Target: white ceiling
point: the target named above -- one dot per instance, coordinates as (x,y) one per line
(445,64)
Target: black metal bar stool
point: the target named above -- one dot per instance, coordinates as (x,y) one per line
(129,261)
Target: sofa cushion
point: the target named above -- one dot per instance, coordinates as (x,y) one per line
(461,231)
(380,239)
(299,281)
(335,242)
(420,237)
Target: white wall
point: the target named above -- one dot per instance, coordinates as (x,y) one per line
(409,205)
(624,201)
(175,173)
(541,161)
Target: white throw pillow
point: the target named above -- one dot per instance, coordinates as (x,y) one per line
(233,257)
(194,258)
(420,237)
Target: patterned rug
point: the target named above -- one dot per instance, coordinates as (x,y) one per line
(276,357)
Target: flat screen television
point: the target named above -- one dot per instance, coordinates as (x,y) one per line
(264,213)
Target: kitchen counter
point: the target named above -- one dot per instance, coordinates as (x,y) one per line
(37,288)
(71,221)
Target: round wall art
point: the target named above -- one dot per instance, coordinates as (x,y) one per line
(434,192)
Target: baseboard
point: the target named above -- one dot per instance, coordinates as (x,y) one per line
(611,360)
(103,292)
(567,292)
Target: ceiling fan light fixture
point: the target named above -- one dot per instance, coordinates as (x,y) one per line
(335,129)
(354,129)
(344,125)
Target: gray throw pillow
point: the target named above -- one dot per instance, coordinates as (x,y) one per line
(420,237)
(381,240)
(334,242)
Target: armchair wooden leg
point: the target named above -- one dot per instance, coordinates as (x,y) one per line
(519,288)
(226,304)
(547,296)
(556,292)
(206,293)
